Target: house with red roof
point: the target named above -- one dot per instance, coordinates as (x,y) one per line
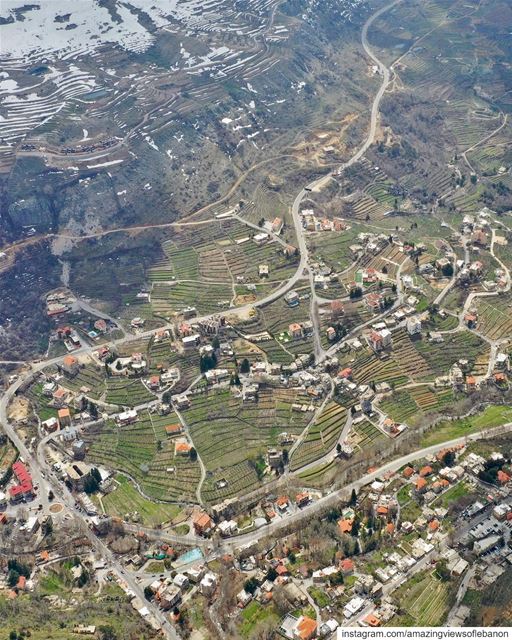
(503,477)
(347,567)
(24,489)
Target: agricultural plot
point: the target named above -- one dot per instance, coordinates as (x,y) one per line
(320,475)
(203,265)
(428,400)
(168,299)
(364,434)
(408,357)
(369,368)
(39,402)
(230,482)
(400,406)
(125,500)
(456,346)
(145,452)
(407,405)
(90,381)
(368,206)
(129,392)
(332,247)
(8,455)
(160,353)
(436,323)
(494,319)
(321,436)
(426,600)
(388,261)
(138,345)
(277,318)
(228,432)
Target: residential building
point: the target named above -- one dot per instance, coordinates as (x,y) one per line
(70,365)
(413,325)
(203,524)
(298,628)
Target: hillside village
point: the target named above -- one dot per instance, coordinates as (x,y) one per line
(255,328)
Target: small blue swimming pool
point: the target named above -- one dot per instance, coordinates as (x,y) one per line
(191,556)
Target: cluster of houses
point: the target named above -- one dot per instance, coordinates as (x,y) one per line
(312,223)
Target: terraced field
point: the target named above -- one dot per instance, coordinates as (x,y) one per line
(494,319)
(321,437)
(428,600)
(407,405)
(233,481)
(369,368)
(408,357)
(145,452)
(203,266)
(90,381)
(229,434)
(441,357)
(363,435)
(127,392)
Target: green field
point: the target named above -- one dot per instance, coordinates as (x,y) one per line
(426,601)
(492,416)
(126,499)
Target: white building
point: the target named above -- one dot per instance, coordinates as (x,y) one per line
(353,606)
(413,326)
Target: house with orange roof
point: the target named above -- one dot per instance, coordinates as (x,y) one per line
(503,478)
(173,429)
(345,525)
(154,382)
(297,628)
(182,448)
(345,373)
(22,583)
(64,417)
(70,365)
(433,525)
(500,378)
(295,331)
(470,383)
(59,397)
(421,485)
(375,340)
(374,301)
(390,528)
(203,524)
(371,620)
(306,628)
(282,570)
(282,503)
(277,225)
(302,499)
(470,319)
(382,510)
(44,556)
(425,471)
(408,472)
